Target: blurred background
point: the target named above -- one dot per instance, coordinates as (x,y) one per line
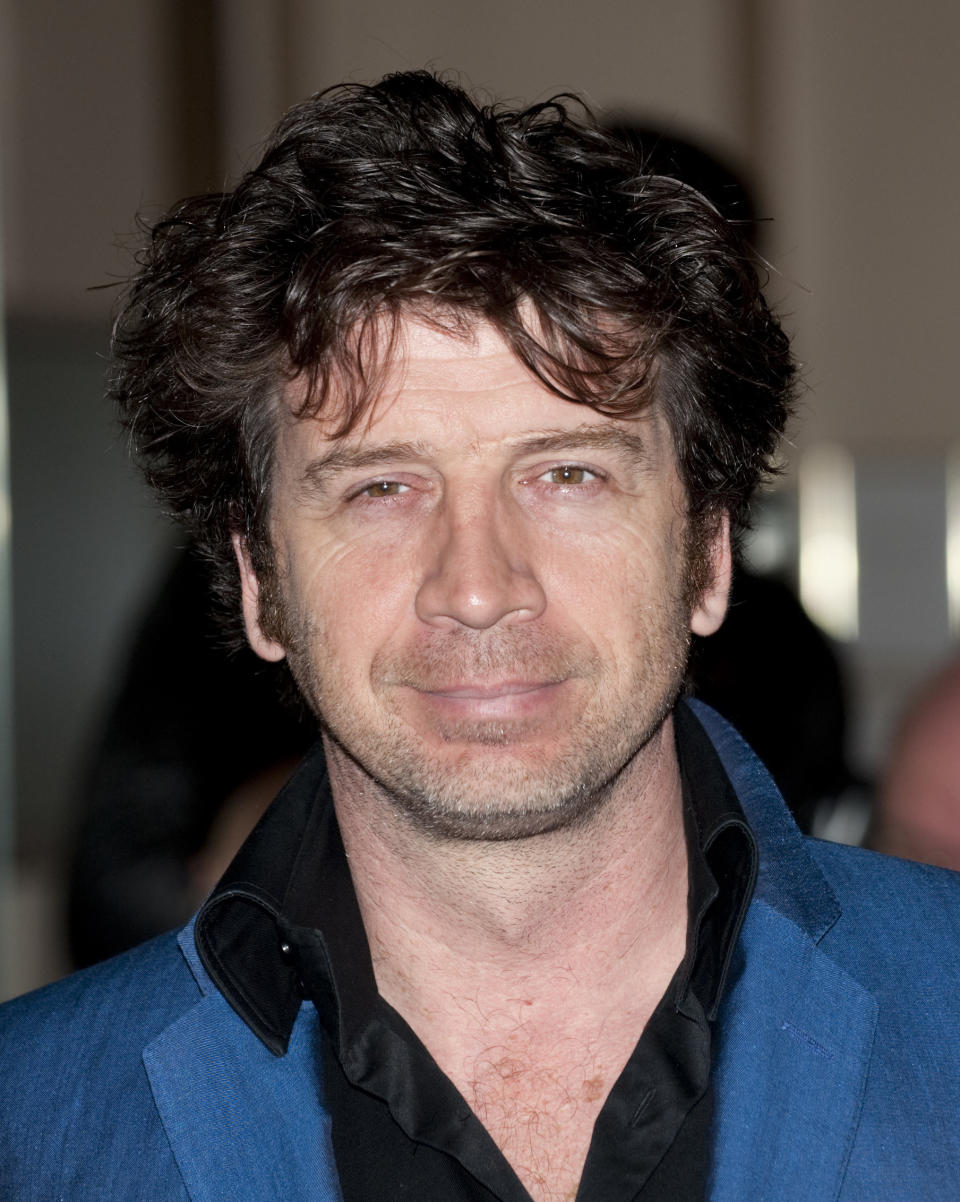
(840,115)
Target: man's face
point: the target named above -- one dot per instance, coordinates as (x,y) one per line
(483,589)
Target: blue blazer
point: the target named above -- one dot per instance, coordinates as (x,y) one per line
(837,1052)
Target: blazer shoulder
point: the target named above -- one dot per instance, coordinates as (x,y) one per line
(873,886)
(74,1093)
(148,985)
(899,927)
(899,936)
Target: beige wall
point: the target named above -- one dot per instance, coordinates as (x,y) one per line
(86,145)
(862,169)
(677,60)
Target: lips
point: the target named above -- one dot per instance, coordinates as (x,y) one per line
(500,702)
(488,692)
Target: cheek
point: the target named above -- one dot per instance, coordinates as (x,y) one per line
(620,568)
(349,601)
(629,592)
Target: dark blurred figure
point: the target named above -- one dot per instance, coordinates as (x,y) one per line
(917,814)
(192,751)
(773,673)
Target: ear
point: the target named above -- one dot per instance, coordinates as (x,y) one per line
(267,648)
(711,607)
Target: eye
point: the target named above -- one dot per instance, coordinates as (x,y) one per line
(570,474)
(383,488)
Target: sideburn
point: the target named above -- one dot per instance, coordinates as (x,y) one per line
(271,611)
(699,568)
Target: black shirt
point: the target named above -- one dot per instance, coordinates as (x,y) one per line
(284,924)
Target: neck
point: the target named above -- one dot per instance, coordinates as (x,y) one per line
(586,897)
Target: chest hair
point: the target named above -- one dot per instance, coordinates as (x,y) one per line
(539,1100)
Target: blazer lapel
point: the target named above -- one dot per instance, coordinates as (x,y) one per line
(242,1123)
(794,1042)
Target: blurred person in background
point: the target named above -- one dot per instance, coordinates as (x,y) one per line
(467,407)
(917,812)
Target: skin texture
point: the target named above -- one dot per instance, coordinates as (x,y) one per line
(483,596)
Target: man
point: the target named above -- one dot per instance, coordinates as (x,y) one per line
(470,408)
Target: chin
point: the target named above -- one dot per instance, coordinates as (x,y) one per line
(470,815)
(494,792)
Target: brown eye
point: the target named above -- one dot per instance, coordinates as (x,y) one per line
(569,473)
(384,488)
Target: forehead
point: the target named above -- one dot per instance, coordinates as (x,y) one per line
(464,383)
(475,356)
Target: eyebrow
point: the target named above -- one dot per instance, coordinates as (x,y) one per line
(320,472)
(589,437)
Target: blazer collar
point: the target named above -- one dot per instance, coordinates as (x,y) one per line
(789,879)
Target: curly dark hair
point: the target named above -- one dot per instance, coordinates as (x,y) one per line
(612,285)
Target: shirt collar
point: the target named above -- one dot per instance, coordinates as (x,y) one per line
(722,865)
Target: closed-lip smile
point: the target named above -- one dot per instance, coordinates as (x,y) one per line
(484,692)
(497,700)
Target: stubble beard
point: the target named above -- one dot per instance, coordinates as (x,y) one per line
(491,780)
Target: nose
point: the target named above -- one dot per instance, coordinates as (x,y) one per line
(478,571)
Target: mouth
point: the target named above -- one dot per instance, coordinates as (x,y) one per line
(494,700)
(485,692)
